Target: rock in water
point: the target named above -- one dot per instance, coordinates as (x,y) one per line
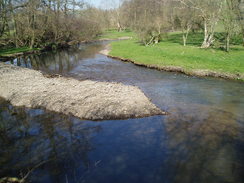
(87,99)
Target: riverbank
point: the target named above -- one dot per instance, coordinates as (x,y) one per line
(170,55)
(89,100)
(16,52)
(6,54)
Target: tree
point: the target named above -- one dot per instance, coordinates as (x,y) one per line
(45,23)
(149,19)
(238,7)
(117,13)
(209,11)
(229,19)
(186,19)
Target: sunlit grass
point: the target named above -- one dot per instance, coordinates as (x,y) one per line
(114,34)
(10,51)
(170,52)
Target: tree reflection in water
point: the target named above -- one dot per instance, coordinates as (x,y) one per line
(60,62)
(31,136)
(203,147)
(178,148)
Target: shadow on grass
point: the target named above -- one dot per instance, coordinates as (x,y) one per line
(237,48)
(194,39)
(140,43)
(235,40)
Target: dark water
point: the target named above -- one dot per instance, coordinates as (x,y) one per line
(200,141)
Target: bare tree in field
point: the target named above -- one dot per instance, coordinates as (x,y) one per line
(209,11)
(241,10)
(230,22)
(186,17)
(149,19)
(117,13)
(238,6)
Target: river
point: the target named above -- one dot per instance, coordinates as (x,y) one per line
(201,140)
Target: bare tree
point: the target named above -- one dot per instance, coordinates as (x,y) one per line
(229,19)
(209,11)
(149,18)
(186,17)
(238,7)
(45,23)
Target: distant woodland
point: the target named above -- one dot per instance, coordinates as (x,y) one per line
(53,23)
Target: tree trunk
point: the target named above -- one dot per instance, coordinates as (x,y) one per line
(227,44)
(32,39)
(156,39)
(208,35)
(239,7)
(205,43)
(15,32)
(208,41)
(2,29)
(119,27)
(184,40)
(135,18)
(185,34)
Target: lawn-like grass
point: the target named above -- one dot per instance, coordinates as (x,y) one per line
(11,51)
(114,34)
(170,52)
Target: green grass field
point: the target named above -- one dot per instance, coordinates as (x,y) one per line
(171,52)
(11,51)
(113,34)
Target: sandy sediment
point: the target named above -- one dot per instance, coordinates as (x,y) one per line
(87,99)
(106,50)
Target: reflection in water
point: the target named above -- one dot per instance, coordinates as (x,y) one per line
(200,141)
(177,148)
(204,148)
(29,137)
(60,62)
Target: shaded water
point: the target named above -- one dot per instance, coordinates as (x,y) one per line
(200,141)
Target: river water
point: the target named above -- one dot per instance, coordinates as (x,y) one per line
(200,141)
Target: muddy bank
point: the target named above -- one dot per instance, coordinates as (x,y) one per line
(198,72)
(84,99)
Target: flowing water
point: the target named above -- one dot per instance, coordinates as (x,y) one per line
(200,141)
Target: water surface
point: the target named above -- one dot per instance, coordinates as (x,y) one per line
(200,141)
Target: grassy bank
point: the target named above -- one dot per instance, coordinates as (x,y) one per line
(15,51)
(190,59)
